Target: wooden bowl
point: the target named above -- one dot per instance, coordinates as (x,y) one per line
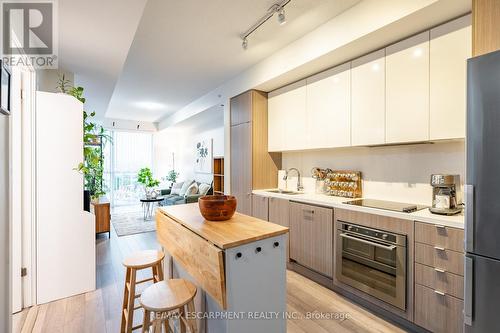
(217,207)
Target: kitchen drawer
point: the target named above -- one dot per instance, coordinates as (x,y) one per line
(438,313)
(450,261)
(437,279)
(436,235)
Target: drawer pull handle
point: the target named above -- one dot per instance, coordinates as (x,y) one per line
(439,248)
(439,270)
(276,244)
(440,226)
(440,293)
(258,249)
(309,211)
(238,255)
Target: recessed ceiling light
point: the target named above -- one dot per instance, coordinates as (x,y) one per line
(149,105)
(417,52)
(244,44)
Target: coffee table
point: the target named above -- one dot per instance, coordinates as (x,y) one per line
(148,206)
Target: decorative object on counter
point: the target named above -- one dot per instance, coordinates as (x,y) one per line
(320,175)
(445,196)
(344,183)
(217,207)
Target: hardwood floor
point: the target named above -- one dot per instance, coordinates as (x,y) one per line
(99,311)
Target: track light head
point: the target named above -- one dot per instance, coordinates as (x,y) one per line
(244,43)
(281,16)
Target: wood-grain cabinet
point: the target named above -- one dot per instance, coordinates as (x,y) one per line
(411,91)
(279,213)
(439,278)
(260,207)
(311,237)
(252,166)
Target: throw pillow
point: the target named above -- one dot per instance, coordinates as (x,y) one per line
(185,186)
(192,190)
(203,189)
(176,188)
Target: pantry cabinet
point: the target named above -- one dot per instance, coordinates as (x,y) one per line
(450,47)
(329,108)
(368,99)
(287,114)
(407,90)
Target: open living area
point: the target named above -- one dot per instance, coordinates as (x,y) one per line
(300,166)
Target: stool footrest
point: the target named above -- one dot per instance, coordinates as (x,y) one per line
(145,280)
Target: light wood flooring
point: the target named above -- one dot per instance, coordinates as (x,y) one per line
(99,311)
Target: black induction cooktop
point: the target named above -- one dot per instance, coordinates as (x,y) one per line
(387,205)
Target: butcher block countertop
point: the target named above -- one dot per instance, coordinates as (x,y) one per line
(240,229)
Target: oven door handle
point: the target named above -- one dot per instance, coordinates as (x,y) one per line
(361,240)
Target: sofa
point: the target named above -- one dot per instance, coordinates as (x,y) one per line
(184,192)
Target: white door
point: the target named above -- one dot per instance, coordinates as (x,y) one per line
(329,108)
(450,47)
(368,99)
(407,90)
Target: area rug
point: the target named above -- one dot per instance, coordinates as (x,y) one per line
(130,221)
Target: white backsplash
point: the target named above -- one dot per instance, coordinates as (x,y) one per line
(397,173)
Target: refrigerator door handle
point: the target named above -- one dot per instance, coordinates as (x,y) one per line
(468,290)
(469,218)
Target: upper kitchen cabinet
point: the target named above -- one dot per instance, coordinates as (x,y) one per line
(450,47)
(287,118)
(241,109)
(368,99)
(329,108)
(407,90)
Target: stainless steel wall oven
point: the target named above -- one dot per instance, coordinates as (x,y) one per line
(373,261)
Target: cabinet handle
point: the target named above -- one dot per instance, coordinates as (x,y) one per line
(439,248)
(258,249)
(440,293)
(276,244)
(308,211)
(440,270)
(238,255)
(440,226)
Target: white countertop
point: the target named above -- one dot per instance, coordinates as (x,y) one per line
(424,215)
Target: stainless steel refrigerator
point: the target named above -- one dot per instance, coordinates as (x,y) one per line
(4,223)
(482,196)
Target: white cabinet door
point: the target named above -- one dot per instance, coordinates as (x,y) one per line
(368,99)
(450,46)
(329,108)
(407,90)
(275,122)
(287,118)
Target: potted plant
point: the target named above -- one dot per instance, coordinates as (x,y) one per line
(172,177)
(94,139)
(145,177)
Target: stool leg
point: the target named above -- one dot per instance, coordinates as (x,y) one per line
(125,301)
(191,316)
(157,326)
(131,300)
(146,322)
(159,270)
(155,274)
(182,323)
(166,325)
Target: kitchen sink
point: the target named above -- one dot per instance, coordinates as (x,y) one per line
(284,192)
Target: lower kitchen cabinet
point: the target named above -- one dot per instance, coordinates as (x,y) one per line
(279,214)
(260,207)
(311,237)
(438,313)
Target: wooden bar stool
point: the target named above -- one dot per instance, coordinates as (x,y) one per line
(138,261)
(165,300)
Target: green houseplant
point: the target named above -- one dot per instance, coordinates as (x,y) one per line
(94,139)
(172,176)
(145,177)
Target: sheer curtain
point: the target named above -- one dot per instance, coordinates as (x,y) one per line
(129,152)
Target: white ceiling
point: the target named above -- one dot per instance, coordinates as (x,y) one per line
(94,40)
(184,49)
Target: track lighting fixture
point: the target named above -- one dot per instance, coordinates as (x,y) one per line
(278,8)
(281,17)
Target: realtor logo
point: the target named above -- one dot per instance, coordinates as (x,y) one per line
(28,33)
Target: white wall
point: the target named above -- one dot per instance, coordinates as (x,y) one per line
(47,79)
(180,140)
(398,173)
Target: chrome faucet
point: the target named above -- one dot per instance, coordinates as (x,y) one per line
(299,182)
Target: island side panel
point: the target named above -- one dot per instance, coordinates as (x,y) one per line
(256,284)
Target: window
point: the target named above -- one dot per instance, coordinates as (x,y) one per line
(129,152)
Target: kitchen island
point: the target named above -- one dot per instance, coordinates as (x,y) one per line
(239,267)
